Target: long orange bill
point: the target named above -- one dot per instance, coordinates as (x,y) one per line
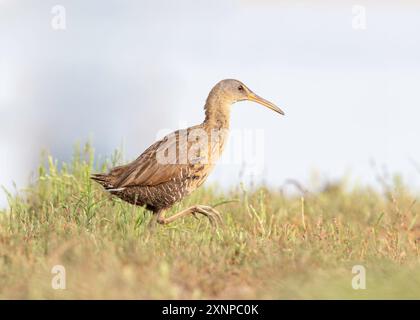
(253,97)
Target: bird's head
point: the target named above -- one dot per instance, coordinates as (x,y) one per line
(235,90)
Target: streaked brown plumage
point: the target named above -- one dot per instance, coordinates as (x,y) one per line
(160,177)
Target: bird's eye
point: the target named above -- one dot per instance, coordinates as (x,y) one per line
(241,88)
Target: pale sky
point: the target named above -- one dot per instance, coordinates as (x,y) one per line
(122,71)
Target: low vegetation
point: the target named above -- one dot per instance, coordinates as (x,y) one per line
(271,245)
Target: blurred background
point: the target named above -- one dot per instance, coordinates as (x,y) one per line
(123,71)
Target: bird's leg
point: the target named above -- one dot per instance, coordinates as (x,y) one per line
(207,211)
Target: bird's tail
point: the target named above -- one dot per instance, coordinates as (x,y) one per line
(103,179)
(109,180)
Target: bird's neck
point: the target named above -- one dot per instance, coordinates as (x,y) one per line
(217,112)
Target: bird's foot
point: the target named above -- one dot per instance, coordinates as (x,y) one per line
(212,214)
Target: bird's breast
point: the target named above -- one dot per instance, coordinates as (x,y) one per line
(206,146)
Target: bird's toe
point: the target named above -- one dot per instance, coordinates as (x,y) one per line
(213,216)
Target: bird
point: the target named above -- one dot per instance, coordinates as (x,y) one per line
(179,163)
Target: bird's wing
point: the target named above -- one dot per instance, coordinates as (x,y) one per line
(156,165)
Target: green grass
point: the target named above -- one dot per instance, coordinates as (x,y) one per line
(271,246)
